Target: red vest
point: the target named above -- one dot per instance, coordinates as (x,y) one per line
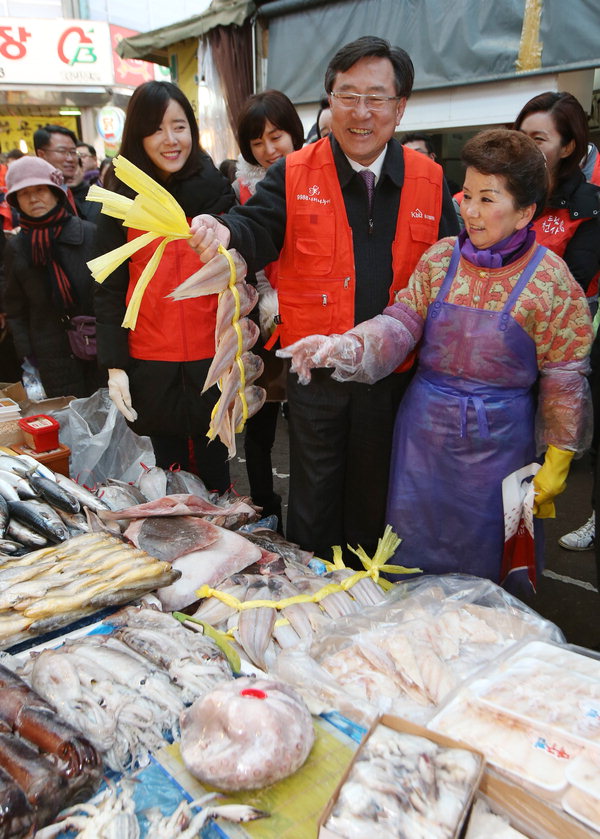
(170,330)
(555,228)
(316,265)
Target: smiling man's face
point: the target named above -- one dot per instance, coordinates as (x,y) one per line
(361,133)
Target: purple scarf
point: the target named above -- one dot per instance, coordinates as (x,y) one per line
(502,253)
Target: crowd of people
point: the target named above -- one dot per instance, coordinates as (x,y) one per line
(427,341)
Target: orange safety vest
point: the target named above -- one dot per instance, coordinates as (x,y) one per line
(316,265)
(170,330)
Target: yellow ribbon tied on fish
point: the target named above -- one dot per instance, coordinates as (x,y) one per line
(232,287)
(386,548)
(153,210)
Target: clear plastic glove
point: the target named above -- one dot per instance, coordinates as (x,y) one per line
(550,481)
(302,353)
(118,390)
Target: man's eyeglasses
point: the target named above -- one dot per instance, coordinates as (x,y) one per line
(64,152)
(373,102)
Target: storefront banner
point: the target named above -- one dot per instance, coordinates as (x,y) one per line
(55,52)
(129,71)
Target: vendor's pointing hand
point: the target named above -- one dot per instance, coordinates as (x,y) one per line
(207,235)
(302,354)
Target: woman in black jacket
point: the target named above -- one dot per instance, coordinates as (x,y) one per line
(158,369)
(47,280)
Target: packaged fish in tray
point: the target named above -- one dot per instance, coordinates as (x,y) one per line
(555,696)
(582,799)
(404,781)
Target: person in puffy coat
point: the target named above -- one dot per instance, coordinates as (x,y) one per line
(47,278)
(158,369)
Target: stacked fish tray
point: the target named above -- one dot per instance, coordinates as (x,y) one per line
(53,587)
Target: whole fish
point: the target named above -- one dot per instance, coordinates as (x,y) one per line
(76,522)
(11,463)
(8,491)
(86,498)
(10,546)
(248,297)
(153,483)
(54,493)
(227,349)
(181,482)
(40,520)
(116,497)
(255,626)
(30,463)
(4,515)
(253,367)
(212,278)
(20,532)
(20,483)
(131,489)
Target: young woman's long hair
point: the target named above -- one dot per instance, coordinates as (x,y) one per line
(145,113)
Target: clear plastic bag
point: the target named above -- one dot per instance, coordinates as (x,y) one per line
(102,444)
(407,655)
(32,382)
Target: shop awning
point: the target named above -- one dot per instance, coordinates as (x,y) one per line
(152,46)
(457,43)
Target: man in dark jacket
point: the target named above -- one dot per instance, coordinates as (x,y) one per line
(346,242)
(58,145)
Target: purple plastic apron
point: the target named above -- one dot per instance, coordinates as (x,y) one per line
(466,421)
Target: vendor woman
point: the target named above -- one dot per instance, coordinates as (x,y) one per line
(493,313)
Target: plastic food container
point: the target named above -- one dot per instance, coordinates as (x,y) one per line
(40,432)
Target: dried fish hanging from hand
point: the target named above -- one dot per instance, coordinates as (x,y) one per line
(155,211)
(233,367)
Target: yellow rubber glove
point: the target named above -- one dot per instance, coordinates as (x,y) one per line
(550,481)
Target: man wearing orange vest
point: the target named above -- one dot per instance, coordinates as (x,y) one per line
(346,242)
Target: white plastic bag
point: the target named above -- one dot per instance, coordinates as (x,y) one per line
(102,444)
(32,382)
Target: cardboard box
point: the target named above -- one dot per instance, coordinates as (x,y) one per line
(533,816)
(10,433)
(56,459)
(405,727)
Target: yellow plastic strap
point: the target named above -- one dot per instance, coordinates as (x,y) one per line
(153,210)
(385,549)
(212,433)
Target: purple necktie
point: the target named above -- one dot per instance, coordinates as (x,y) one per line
(369,179)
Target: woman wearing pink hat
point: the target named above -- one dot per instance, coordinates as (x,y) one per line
(47,280)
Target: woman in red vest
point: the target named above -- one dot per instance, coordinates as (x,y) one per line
(570,222)
(158,369)
(268,129)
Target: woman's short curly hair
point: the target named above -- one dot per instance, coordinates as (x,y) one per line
(514,156)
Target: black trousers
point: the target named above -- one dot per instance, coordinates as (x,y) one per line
(258,443)
(340,447)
